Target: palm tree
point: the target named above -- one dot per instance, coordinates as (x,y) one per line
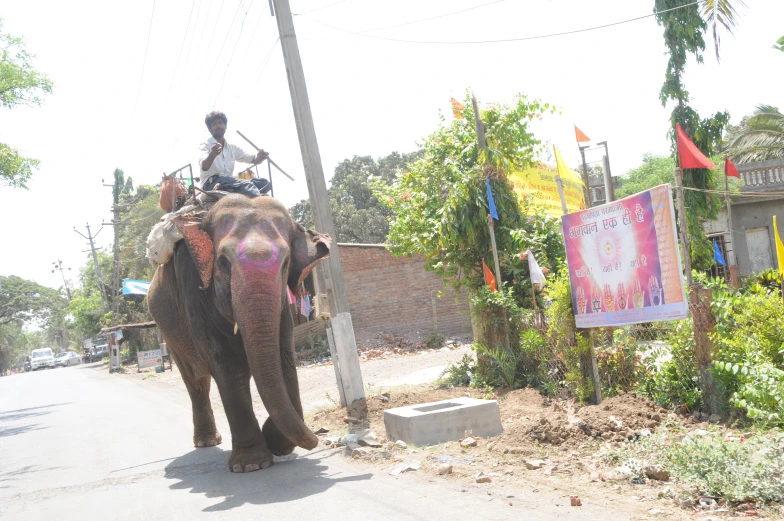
(721,13)
(759,137)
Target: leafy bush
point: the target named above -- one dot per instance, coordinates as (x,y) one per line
(750,351)
(460,374)
(502,365)
(671,373)
(434,340)
(619,363)
(735,470)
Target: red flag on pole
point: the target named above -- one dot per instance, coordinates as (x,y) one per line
(581,137)
(489,277)
(729,168)
(689,156)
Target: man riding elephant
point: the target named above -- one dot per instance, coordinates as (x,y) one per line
(217,157)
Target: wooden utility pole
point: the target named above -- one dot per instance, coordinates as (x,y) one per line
(116,209)
(482,142)
(588,363)
(340,315)
(586,180)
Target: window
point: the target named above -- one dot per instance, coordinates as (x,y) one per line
(718,271)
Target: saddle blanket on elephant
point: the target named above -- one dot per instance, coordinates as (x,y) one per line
(170,229)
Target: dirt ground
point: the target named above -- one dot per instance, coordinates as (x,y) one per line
(546,443)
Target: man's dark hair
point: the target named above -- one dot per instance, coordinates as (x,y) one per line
(212,116)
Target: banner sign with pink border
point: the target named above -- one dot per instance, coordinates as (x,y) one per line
(624,261)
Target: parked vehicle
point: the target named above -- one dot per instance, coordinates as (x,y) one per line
(42,358)
(96,354)
(67,358)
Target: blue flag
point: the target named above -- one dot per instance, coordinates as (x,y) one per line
(717,256)
(490,201)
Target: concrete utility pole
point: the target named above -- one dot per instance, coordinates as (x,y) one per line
(90,237)
(58,266)
(342,327)
(116,208)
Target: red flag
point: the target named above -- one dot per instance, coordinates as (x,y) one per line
(729,168)
(581,137)
(489,277)
(689,156)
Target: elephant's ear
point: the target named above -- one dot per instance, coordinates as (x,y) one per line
(200,245)
(307,249)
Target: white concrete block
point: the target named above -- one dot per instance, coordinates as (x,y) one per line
(448,420)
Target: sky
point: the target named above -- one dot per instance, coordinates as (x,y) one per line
(134,80)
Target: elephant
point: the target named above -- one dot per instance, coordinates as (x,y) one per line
(222,306)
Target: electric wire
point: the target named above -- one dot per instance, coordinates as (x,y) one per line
(260,73)
(503,40)
(320,8)
(231,57)
(217,59)
(144,62)
(182,46)
(190,48)
(411,22)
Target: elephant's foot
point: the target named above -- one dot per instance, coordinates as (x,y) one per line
(207,439)
(277,443)
(250,459)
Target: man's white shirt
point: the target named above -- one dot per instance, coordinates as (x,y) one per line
(223,164)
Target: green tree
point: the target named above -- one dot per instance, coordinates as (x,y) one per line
(359,216)
(779,45)
(440,205)
(683,35)
(20,84)
(654,171)
(759,137)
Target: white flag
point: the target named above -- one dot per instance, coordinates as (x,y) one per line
(537,277)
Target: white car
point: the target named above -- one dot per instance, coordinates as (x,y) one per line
(40,358)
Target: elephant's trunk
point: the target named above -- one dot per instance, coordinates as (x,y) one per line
(257,309)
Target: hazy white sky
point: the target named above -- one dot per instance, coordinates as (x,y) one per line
(369,96)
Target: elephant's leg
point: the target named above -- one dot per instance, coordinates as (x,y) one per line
(249,451)
(278,444)
(162,302)
(205,433)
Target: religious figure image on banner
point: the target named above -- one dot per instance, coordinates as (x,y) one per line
(624,264)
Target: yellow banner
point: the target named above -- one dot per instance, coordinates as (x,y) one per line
(539,182)
(779,246)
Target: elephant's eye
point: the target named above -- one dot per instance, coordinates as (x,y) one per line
(224,265)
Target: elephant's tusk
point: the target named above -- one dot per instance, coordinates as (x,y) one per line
(236,328)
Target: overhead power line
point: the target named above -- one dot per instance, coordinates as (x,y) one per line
(411,22)
(320,8)
(503,40)
(182,46)
(231,57)
(144,62)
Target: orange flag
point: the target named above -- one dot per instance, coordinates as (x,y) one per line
(489,277)
(581,137)
(457,109)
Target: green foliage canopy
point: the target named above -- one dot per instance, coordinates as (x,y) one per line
(358,215)
(440,205)
(20,84)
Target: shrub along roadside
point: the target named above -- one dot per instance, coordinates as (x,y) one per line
(734,469)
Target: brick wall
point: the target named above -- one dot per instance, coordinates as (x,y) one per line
(394,295)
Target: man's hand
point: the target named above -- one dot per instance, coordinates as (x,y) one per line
(261,156)
(216,149)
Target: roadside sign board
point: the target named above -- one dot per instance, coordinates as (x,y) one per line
(624,262)
(149,358)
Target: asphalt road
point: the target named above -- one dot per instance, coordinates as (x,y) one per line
(79,443)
